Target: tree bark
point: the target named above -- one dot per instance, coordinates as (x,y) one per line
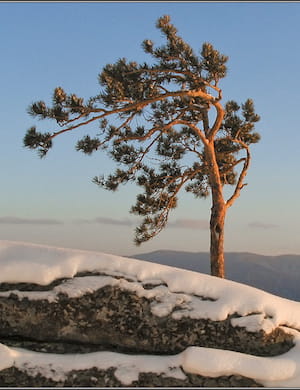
(217,222)
(218,213)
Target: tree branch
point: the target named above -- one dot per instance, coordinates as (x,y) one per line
(233,165)
(141,104)
(142,155)
(218,121)
(196,130)
(240,185)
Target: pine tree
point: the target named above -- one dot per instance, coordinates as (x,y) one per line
(155,124)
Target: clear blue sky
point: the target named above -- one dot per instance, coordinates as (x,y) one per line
(53,201)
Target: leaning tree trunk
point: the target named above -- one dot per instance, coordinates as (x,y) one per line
(217,222)
(218,212)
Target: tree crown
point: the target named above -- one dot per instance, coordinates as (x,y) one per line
(154,124)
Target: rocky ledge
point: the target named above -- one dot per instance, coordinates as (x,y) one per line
(113,322)
(99,313)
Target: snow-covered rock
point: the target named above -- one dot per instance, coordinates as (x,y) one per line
(80,318)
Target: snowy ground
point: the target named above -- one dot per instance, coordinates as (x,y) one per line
(23,262)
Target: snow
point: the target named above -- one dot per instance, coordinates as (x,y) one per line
(228,363)
(280,371)
(57,366)
(174,291)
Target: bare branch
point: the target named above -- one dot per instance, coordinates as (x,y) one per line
(218,121)
(234,165)
(142,155)
(240,185)
(163,88)
(55,134)
(196,130)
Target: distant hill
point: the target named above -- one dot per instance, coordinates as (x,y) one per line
(279,275)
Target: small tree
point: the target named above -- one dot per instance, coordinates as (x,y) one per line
(155,122)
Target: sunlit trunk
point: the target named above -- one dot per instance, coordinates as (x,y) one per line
(218,212)
(217,222)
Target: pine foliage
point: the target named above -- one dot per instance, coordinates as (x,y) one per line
(154,123)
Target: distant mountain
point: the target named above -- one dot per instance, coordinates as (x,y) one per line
(279,275)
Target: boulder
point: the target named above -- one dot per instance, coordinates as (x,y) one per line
(92,313)
(124,316)
(70,318)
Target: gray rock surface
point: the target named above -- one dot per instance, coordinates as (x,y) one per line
(100,378)
(116,317)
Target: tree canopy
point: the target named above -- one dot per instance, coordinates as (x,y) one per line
(163,123)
